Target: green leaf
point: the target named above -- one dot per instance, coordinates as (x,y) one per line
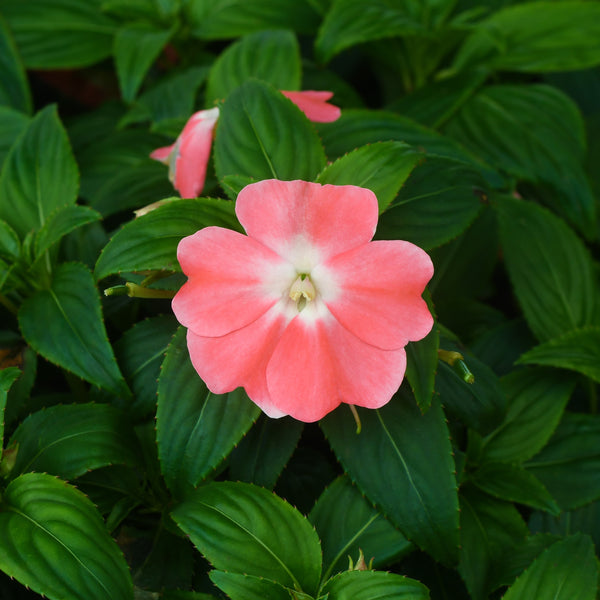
(136,47)
(568,570)
(225,19)
(489,529)
(8,376)
(549,267)
(14,89)
(381,167)
(536,400)
(248,587)
(58,34)
(351,22)
(69,440)
(479,404)
(61,222)
(264,135)
(53,540)
(10,245)
(421,366)
(251,531)
(171,98)
(64,325)
(140,353)
(515,484)
(569,464)
(550,150)
(195,429)
(12,123)
(357,527)
(389,461)
(39,174)
(265,450)
(532,38)
(150,241)
(577,350)
(367,585)
(272,56)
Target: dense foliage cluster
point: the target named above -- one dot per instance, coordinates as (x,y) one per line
(477,126)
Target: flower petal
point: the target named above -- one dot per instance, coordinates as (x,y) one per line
(162,154)
(314,105)
(240,358)
(307,223)
(318,364)
(193,153)
(377,292)
(233,280)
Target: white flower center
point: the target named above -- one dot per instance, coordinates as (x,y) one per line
(302,291)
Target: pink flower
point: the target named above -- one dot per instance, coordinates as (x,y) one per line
(314,105)
(304,312)
(188,156)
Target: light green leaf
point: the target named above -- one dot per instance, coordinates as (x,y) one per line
(136,47)
(225,19)
(351,22)
(8,376)
(272,56)
(70,440)
(39,174)
(536,400)
(367,585)
(413,483)
(549,151)
(381,167)
(489,529)
(264,135)
(64,325)
(577,350)
(357,527)
(14,89)
(569,464)
(532,37)
(53,540)
(514,484)
(248,587)
(549,267)
(150,241)
(140,353)
(61,222)
(251,531)
(195,429)
(58,34)
(568,570)
(264,451)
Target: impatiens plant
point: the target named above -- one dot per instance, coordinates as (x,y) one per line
(350,350)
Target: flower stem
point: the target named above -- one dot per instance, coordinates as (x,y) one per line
(356,418)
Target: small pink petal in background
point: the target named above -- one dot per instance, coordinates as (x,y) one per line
(314,105)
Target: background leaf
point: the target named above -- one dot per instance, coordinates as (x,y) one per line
(347,523)
(262,134)
(12,123)
(69,440)
(549,267)
(421,366)
(58,34)
(568,570)
(64,324)
(381,167)
(14,88)
(416,491)
(150,241)
(7,378)
(136,47)
(272,56)
(54,541)
(251,531)
(44,149)
(364,585)
(195,429)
